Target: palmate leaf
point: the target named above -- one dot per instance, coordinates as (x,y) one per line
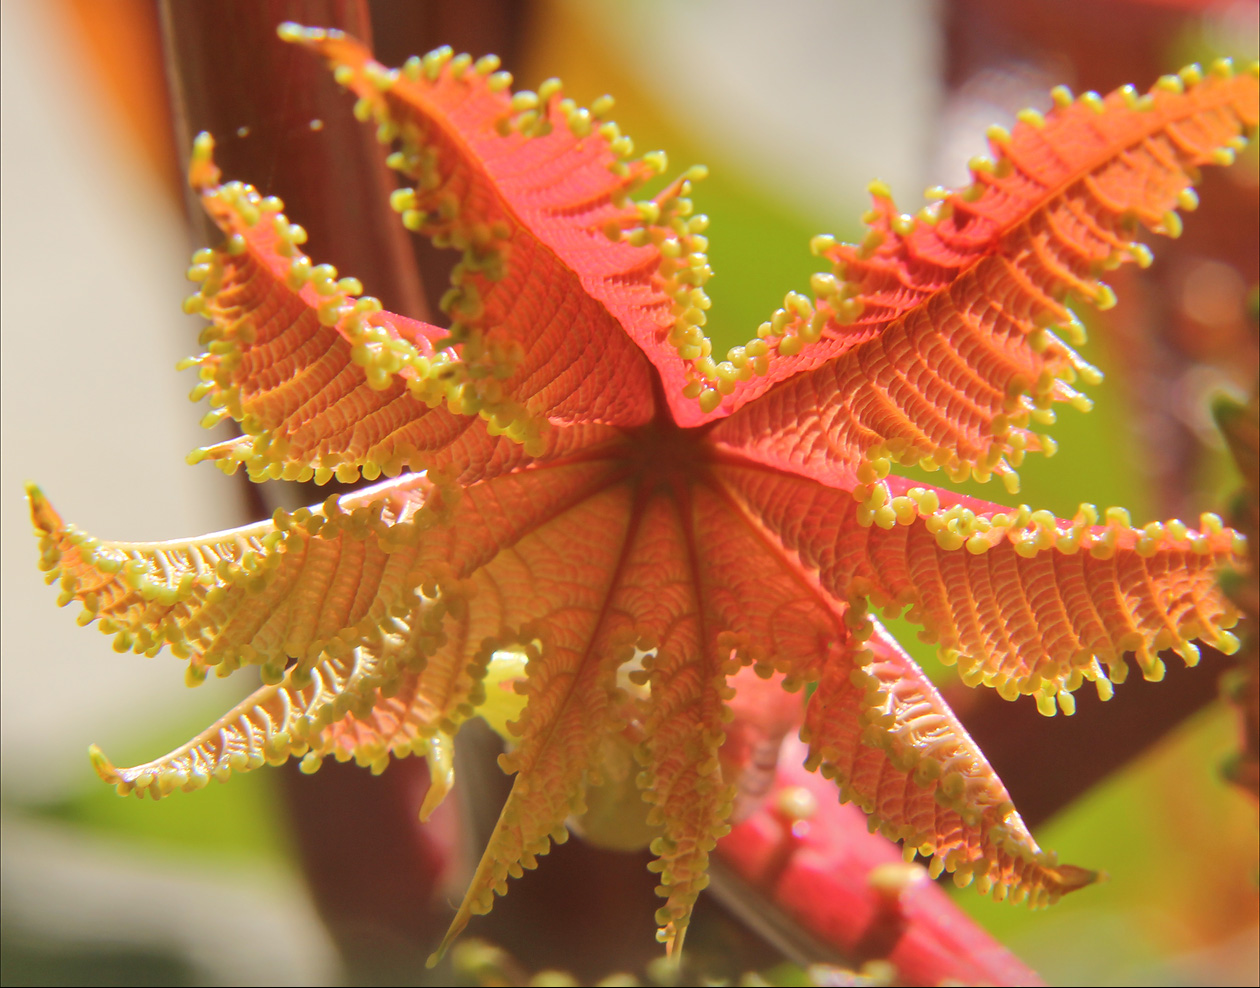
(616,524)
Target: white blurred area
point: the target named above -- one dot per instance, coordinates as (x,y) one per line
(234,923)
(94,411)
(810,100)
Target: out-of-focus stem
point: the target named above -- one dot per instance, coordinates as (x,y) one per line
(814,867)
(281,123)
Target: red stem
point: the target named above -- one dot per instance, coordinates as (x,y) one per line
(814,861)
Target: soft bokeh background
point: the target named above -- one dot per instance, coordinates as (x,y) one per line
(795,108)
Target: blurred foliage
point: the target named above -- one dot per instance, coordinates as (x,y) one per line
(50,963)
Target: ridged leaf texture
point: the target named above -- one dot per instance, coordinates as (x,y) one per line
(595,531)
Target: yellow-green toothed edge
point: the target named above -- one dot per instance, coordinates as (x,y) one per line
(201,572)
(1030,533)
(962,792)
(430,378)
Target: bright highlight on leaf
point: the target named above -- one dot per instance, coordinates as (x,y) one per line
(584,503)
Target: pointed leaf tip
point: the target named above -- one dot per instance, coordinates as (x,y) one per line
(298,34)
(203,173)
(49,529)
(457,927)
(1072,877)
(43,515)
(103,766)
(440,756)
